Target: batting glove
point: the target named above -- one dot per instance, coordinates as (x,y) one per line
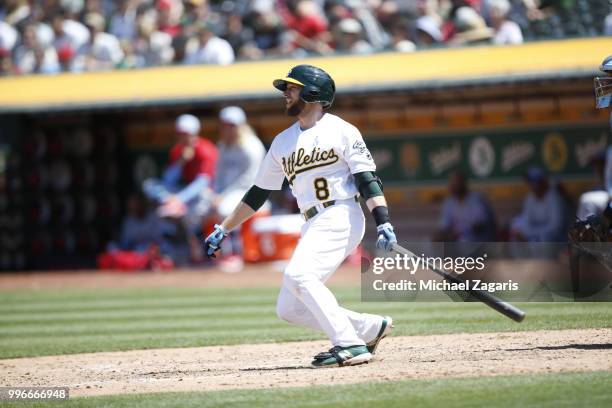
(386,237)
(212,242)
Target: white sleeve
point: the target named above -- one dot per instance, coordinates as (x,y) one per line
(356,153)
(270,175)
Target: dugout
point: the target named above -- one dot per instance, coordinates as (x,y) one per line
(73,146)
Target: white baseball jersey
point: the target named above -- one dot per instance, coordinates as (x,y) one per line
(318,162)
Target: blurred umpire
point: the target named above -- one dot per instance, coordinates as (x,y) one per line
(596,227)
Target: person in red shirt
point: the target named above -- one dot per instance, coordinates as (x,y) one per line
(182,194)
(307,25)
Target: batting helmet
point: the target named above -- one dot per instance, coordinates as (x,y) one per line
(317,85)
(603,85)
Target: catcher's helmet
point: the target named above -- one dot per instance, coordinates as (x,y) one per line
(318,86)
(603,84)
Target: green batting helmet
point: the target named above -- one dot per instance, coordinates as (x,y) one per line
(317,85)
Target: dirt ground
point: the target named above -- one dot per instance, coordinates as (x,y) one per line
(254,275)
(286,365)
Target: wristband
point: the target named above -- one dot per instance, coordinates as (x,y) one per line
(380,214)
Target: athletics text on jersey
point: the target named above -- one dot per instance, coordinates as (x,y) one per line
(317,162)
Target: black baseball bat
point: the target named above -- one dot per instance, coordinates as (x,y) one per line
(485,297)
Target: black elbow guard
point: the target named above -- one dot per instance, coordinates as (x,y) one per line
(368,184)
(256,197)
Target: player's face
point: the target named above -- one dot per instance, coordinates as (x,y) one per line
(293,104)
(186,138)
(229,133)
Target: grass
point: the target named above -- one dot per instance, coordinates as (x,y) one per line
(541,390)
(34,323)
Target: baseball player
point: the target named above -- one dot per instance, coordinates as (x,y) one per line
(596,227)
(182,193)
(327,166)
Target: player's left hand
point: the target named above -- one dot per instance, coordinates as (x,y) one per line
(386,237)
(212,242)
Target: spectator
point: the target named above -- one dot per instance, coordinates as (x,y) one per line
(465,216)
(44,32)
(17,12)
(151,47)
(32,57)
(608,25)
(73,8)
(181,194)
(209,49)
(374,32)
(168,16)
(8,38)
(336,11)
(237,35)
(269,36)
(431,9)
(140,228)
(471,28)
(506,31)
(308,27)
(544,211)
(102,52)
(93,6)
(70,36)
(388,13)
(348,38)
(65,56)
(427,32)
(194,13)
(123,23)
(6,63)
(240,153)
(399,38)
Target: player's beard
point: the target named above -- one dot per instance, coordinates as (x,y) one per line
(295,108)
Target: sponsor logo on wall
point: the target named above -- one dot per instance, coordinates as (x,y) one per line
(481,157)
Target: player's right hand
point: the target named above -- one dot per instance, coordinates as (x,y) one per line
(386,237)
(212,242)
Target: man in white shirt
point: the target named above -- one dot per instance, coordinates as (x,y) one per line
(32,57)
(465,216)
(544,214)
(507,32)
(210,49)
(327,165)
(68,32)
(102,52)
(240,154)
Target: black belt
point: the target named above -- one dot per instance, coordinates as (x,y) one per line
(312,211)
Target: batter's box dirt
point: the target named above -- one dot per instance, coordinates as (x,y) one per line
(287,364)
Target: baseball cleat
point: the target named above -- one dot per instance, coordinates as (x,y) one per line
(342,356)
(385,329)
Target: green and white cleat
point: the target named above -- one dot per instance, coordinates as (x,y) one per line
(385,329)
(342,356)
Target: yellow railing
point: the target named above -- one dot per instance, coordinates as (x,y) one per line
(254,78)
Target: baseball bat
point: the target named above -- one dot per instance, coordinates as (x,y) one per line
(485,297)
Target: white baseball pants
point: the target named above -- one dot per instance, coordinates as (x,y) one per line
(304,300)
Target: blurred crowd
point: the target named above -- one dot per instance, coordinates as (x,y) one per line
(50,36)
